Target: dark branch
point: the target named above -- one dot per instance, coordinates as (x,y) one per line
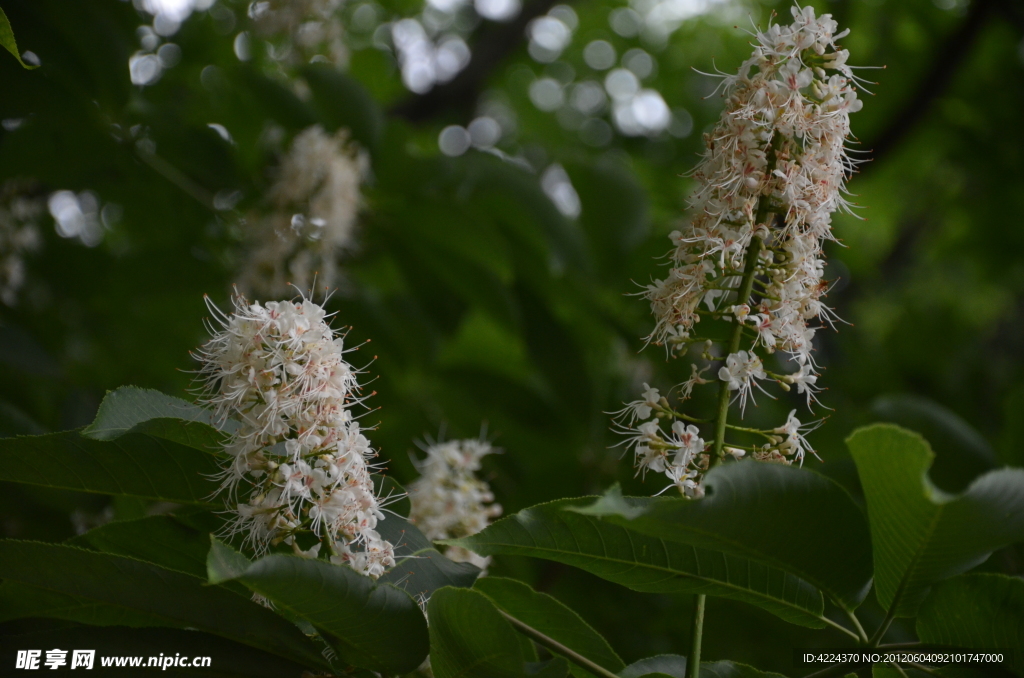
(945,61)
(490,49)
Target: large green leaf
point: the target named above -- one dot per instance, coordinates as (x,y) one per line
(227,659)
(8,42)
(728,669)
(135,464)
(19,601)
(162,540)
(977,611)
(920,534)
(128,406)
(470,639)
(551,618)
(180,600)
(419,568)
(784,516)
(645,563)
(375,626)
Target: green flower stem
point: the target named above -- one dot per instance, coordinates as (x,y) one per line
(557,647)
(696,633)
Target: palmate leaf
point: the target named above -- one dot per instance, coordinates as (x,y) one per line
(553,619)
(921,535)
(373,626)
(177,599)
(228,659)
(787,517)
(645,563)
(979,612)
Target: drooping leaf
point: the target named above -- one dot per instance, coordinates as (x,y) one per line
(135,464)
(470,639)
(552,618)
(419,568)
(784,516)
(977,611)
(374,626)
(671,665)
(645,563)
(920,534)
(180,600)
(8,42)
(228,659)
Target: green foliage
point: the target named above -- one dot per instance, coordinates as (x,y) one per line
(920,534)
(977,612)
(371,625)
(131,586)
(8,42)
(790,518)
(553,619)
(470,639)
(135,464)
(554,532)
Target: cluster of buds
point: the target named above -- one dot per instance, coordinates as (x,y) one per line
(448,500)
(772,175)
(312,209)
(300,31)
(19,235)
(297,466)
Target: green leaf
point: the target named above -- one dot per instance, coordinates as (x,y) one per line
(784,516)
(161,540)
(8,42)
(920,534)
(128,406)
(671,665)
(179,600)
(375,626)
(977,611)
(961,453)
(20,601)
(551,618)
(419,568)
(645,563)
(227,659)
(885,670)
(142,410)
(469,638)
(556,667)
(135,464)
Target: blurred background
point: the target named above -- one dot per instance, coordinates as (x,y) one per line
(503,175)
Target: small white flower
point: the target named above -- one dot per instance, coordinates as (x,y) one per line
(741,371)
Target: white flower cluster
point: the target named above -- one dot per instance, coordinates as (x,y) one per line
(19,235)
(297,458)
(448,500)
(772,175)
(313,206)
(300,31)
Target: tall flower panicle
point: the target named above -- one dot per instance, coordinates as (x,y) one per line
(298,467)
(19,235)
(772,174)
(300,31)
(311,213)
(448,500)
